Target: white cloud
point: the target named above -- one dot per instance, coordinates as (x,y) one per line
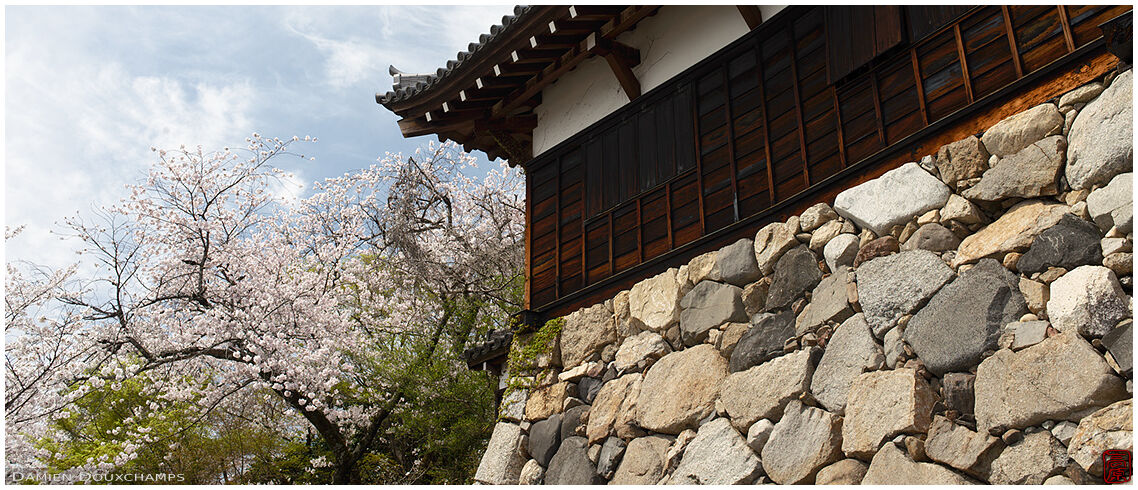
(75,139)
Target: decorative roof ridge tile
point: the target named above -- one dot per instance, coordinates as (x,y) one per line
(422,82)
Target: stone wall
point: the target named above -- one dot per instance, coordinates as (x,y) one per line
(964,319)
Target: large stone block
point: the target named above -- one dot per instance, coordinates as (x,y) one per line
(1112,205)
(1013,232)
(891,466)
(828,303)
(680,389)
(797,272)
(1101,138)
(963,159)
(614,408)
(586,332)
(643,461)
(845,472)
(717,456)
(571,465)
(817,215)
(1031,172)
(544,439)
(771,242)
(892,199)
(882,404)
(1061,378)
(709,305)
(961,448)
(503,460)
(763,391)
(1016,132)
(1088,300)
(763,341)
(803,441)
(737,264)
(639,351)
(546,400)
(655,302)
(1070,243)
(840,251)
(893,286)
(1109,428)
(1030,461)
(965,318)
(850,352)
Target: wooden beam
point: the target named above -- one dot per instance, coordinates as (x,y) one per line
(516,152)
(751,15)
(621,58)
(516,124)
(593,12)
(535,55)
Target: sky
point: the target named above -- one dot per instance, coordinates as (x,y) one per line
(90,89)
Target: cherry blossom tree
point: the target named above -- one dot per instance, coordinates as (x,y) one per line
(213,287)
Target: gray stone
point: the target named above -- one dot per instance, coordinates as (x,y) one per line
(817,215)
(961,448)
(611,452)
(532,473)
(965,318)
(571,465)
(797,272)
(1013,232)
(1028,333)
(1080,96)
(586,332)
(1109,428)
(1088,300)
(513,407)
(643,461)
(717,456)
(763,341)
(1064,431)
(614,408)
(736,263)
(771,242)
(758,435)
(1102,136)
(959,392)
(882,404)
(891,466)
(545,438)
(802,442)
(587,389)
(892,199)
(960,210)
(894,347)
(1061,378)
(1070,243)
(1120,343)
(844,472)
(655,302)
(680,389)
(1029,462)
(932,237)
(893,286)
(1116,245)
(1016,132)
(709,305)
(961,160)
(1112,205)
(763,391)
(840,251)
(828,303)
(640,351)
(503,460)
(570,419)
(850,352)
(1031,172)
(824,234)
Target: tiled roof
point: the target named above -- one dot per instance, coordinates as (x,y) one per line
(495,345)
(407,85)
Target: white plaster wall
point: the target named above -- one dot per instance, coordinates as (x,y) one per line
(677,37)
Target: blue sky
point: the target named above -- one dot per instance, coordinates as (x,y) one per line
(90,89)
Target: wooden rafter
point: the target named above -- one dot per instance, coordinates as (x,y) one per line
(751,15)
(515,150)
(621,58)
